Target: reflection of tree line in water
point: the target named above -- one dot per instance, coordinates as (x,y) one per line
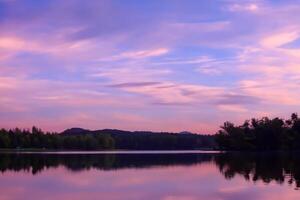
(35,163)
(265,167)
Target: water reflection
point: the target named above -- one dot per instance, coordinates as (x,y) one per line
(150,176)
(36,163)
(267,167)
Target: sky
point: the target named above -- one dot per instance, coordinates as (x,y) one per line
(164,65)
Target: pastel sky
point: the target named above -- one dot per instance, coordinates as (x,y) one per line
(162,65)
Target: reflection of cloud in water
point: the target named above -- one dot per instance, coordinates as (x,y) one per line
(150,176)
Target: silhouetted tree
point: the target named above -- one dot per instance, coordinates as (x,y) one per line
(261,135)
(102,140)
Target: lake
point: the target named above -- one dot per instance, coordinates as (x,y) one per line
(137,175)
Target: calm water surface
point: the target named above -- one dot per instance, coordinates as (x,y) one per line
(149,175)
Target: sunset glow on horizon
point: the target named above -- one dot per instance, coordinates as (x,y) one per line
(147,65)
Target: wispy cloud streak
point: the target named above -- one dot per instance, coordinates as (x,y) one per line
(147,65)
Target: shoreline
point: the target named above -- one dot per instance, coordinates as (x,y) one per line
(47,151)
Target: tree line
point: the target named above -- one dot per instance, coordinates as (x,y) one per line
(37,139)
(263,134)
(81,139)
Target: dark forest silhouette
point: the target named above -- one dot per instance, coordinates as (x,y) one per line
(261,135)
(81,139)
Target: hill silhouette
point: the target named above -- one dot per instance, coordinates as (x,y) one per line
(105,139)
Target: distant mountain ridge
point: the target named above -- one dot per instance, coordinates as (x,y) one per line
(79,131)
(147,140)
(112,139)
(74,131)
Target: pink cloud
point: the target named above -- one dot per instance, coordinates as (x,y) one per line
(233,108)
(145,53)
(249,7)
(279,39)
